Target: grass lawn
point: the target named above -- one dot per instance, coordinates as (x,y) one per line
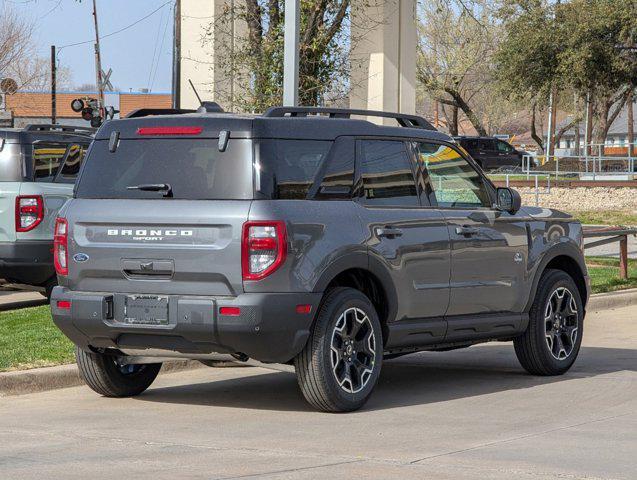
(604,273)
(607,217)
(29,339)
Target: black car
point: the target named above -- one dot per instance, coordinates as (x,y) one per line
(492,153)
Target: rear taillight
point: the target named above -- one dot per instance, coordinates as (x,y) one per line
(29,212)
(263,248)
(60,246)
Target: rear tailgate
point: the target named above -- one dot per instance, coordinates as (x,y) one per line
(187,247)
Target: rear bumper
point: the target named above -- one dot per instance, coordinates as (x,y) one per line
(29,262)
(268,328)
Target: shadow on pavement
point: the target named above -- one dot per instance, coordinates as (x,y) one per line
(417,379)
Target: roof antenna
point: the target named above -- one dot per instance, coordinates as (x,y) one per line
(195,90)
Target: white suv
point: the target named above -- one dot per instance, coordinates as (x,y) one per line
(38,167)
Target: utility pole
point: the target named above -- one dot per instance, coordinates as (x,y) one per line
(177,56)
(549,138)
(53,87)
(98,64)
(291,53)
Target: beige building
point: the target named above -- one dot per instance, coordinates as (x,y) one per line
(383,57)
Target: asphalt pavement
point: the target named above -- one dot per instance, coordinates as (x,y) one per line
(467,414)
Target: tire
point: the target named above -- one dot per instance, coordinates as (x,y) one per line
(341,380)
(553,337)
(106,377)
(48,288)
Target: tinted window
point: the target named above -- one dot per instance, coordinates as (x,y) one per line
(46,160)
(72,162)
(338,178)
(504,147)
(195,169)
(286,168)
(386,174)
(486,144)
(453,181)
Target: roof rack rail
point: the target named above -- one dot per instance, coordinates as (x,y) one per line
(404,120)
(54,127)
(205,107)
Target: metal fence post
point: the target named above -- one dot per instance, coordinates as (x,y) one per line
(537,192)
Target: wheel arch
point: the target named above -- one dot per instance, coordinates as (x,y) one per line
(369,277)
(567,258)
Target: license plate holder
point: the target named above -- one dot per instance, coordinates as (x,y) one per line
(146,310)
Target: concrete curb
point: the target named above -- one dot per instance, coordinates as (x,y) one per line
(610,300)
(63,376)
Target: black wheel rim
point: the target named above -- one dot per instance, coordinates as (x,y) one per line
(353,350)
(128,369)
(561,323)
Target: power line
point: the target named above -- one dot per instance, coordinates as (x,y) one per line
(118,31)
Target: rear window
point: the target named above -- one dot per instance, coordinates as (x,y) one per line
(194,169)
(46,160)
(71,163)
(287,168)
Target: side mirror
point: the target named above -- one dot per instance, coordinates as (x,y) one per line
(508,200)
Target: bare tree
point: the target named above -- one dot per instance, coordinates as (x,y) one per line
(457,43)
(16,48)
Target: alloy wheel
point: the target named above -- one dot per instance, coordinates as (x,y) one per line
(353,350)
(561,323)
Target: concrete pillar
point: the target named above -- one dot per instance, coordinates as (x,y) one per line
(383,56)
(209,34)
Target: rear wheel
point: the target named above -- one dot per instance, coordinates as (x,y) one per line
(108,377)
(552,340)
(340,364)
(48,288)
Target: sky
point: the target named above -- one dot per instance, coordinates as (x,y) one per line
(140,56)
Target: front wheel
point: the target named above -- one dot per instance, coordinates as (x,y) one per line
(552,340)
(111,378)
(340,364)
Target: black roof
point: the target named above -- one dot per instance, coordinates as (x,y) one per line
(317,127)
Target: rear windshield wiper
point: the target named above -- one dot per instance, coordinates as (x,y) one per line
(153,187)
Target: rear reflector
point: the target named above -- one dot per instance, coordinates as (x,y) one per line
(230,311)
(303,309)
(64,304)
(169,130)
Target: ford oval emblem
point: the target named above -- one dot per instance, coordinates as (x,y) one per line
(80,257)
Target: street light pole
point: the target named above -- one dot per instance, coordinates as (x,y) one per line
(291,53)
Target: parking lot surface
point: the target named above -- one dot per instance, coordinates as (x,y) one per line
(466,414)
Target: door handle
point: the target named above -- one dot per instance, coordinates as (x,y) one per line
(388,232)
(467,231)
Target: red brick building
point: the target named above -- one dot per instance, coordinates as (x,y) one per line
(35,107)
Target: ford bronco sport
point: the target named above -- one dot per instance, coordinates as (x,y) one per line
(307,237)
(38,166)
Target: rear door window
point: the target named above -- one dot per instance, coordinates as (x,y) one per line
(386,174)
(194,169)
(47,157)
(286,168)
(72,162)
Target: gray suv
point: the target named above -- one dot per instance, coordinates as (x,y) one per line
(307,237)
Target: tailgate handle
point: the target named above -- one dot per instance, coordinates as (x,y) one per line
(148,267)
